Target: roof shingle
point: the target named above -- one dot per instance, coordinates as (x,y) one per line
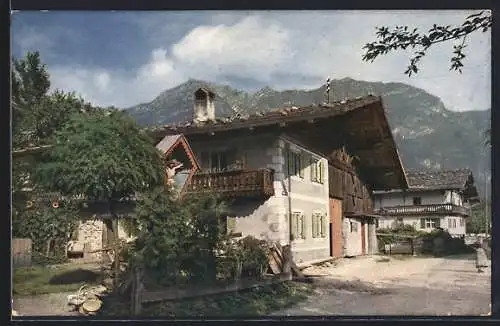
(444,179)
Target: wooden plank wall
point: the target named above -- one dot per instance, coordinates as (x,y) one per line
(346,184)
(21,252)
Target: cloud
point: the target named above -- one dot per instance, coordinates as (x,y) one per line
(287,50)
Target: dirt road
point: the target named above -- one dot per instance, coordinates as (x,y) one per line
(411,286)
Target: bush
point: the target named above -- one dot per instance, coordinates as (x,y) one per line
(49,228)
(176,239)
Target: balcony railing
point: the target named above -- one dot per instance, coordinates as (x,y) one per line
(433,209)
(237,183)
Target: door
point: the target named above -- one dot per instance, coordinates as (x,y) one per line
(336,238)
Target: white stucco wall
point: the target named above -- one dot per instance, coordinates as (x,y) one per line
(387,222)
(352,239)
(307,197)
(427,198)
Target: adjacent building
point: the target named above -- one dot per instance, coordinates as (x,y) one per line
(434,199)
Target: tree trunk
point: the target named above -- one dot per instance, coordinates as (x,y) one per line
(107,238)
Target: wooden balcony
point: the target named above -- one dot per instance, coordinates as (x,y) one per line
(433,209)
(237,183)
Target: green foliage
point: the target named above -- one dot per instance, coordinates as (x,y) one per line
(403,37)
(102,155)
(36,114)
(256,302)
(478,222)
(250,252)
(176,238)
(41,223)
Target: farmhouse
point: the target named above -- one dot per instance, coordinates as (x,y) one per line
(434,199)
(299,176)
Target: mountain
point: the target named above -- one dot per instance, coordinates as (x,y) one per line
(427,134)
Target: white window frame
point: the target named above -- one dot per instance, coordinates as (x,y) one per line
(319,225)
(299,232)
(430,222)
(317,170)
(295,163)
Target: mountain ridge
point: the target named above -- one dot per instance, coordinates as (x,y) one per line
(428,135)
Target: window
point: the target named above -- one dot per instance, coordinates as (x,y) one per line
(317,170)
(298,226)
(353,227)
(230,224)
(319,225)
(417,201)
(295,166)
(429,223)
(454,223)
(462,222)
(214,161)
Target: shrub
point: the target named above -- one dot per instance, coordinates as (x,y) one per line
(176,239)
(48,227)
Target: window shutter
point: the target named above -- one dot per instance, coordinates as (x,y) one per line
(313,169)
(320,174)
(303,228)
(299,164)
(293,226)
(422,223)
(314,226)
(231,224)
(289,160)
(323,225)
(438,222)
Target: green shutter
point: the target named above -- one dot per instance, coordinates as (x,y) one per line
(231,224)
(323,225)
(299,168)
(293,225)
(303,224)
(422,223)
(313,169)
(322,172)
(438,222)
(314,225)
(289,159)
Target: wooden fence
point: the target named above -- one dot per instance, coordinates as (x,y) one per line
(21,252)
(401,244)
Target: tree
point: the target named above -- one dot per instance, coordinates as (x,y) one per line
(105,157)
(36,114)
(403,37)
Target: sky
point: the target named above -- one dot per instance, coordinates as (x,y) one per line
(125,58)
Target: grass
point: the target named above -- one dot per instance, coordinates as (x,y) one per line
(256,302)
(58,278)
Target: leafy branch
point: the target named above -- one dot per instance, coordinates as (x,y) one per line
(403,38)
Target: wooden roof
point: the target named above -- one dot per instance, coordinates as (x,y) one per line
(459,179)
(358,124)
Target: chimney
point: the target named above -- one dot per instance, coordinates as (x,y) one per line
(204,108)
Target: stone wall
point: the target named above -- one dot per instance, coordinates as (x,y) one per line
(90,233)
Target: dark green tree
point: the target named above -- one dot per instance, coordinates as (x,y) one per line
(103,156)
(402,38)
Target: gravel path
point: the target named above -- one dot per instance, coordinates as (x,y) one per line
(53,304)
(414,286)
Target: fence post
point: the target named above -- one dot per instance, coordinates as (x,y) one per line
(412,246)
(287,260)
